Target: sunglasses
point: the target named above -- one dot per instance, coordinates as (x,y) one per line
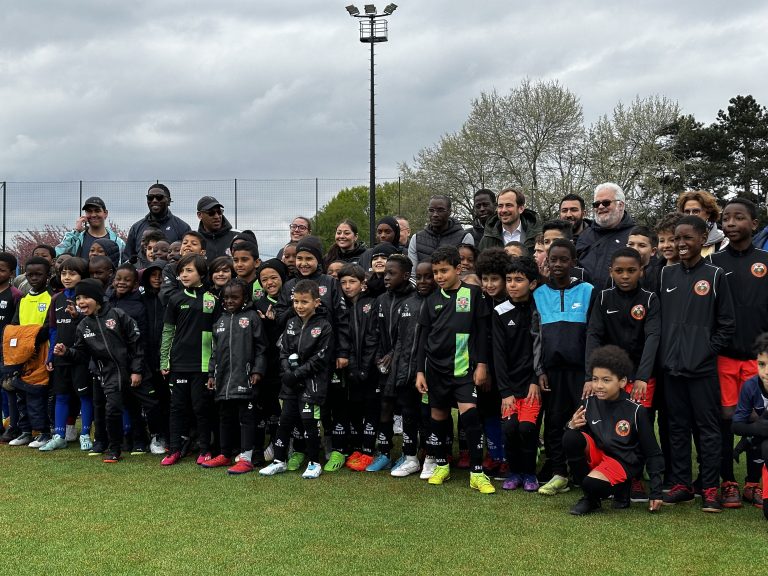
(214,212)
(603,203)
(158,197)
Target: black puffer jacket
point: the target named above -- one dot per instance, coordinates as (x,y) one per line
(217,243)
(596,245)
(172,226)
(427,241)
(239,350)
(313,342)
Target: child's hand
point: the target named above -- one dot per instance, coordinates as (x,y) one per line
(342,363)
(211,384)
(534,394)
(481,378)
(639,391)
(255,379)
(49,366)
(421,383)
(579,419)
(135,380)
(507,406)
(544,383)
(59,350)
(71,309)
(165,372)
(654,505)
(587,391)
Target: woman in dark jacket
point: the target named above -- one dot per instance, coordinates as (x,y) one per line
(346,247)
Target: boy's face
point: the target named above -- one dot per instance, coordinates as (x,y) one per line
(156,279)
(667,246)
(738,225)
(233,299)
(379,264)
(289,258)
(271,282)
(37,276)
(306,264)
(467,260)
(425,280)
(540,254)
(43,253)
(174,251)
(689,243)
(245,265)
(514,251)
(643,245)
(304,304)
(493,285)
(559,262)
(334,268)
(96,250)
(69,278)
(5,273)
(161,250)
(101,271)
(626,273)
(124,282)
(191,245)
(221,276)
(87,306)
(519,288)
(762,367)
(605,384)
(150,250)
(351,286)
(447,276)
(189,276)
(551,235)
(394,276)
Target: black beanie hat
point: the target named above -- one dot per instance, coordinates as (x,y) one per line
(312,245)
(392,222)
(90,288)
(111,250)
(384,248)
(277,266)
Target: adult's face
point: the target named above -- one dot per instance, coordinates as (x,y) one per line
(694,208)
(571,210)
(345,237)
(96,216)
(384,233)
(438,213)
(405,231)
(508,209)
(299,228)
(484,207)
(609,211)
(212,219)
(157,201)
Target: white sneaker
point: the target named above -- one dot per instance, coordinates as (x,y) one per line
(39,441)
(21,440)
(397,425)
(276,467)
(313,471)
(86,443)
(71,434)
(409,466)
(269,452)
(156,446)
(54,444)
(429,468)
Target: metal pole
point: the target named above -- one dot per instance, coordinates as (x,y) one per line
(372,189)
(317,206)
(4,214)
(235,202)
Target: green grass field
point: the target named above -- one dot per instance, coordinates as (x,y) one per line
(67,513)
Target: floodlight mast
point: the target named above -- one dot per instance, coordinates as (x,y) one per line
(372,31)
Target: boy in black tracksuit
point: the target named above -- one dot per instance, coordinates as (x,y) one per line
(698,321)
(237,364)
(746,271)
(306,358)
(609,438)
(112,339)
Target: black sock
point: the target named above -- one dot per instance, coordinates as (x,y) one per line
(474,432)
(726,460)
(437,439)
(595,489)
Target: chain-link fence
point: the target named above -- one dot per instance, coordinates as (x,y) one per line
(265,206)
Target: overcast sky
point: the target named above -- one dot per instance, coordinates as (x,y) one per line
(180,89)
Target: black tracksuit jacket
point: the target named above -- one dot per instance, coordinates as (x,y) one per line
(313,342)
(514,343)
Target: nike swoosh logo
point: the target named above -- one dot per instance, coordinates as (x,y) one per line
(82,389)
(611,311)
(59,308)
(595,422)
(671,289)
(729,273)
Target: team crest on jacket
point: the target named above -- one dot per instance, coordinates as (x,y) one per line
(258,294)
(701,288)
(323,290)
(366,308)
(110,324)
(638,312)
(244,322)
(42,307)
(622,428)
(208,304)
(462,304)
(315,332)
(759,269)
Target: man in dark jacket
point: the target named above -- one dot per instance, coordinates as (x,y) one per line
(160,217)
(215,227)
(512,222)
(442,230)
(608,233)
(484,207)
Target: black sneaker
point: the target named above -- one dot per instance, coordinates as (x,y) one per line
(111,457)
(9,434)
(621,496)
(710,500)
(97,448)
(139,449)
(585,506)
(677,494)
(638,493)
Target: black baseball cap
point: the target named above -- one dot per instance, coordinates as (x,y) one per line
(207,203)
(94,201)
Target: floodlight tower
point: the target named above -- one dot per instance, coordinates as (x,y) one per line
(373,29)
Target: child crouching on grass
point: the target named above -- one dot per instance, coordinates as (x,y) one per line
(609,438)
(306,360)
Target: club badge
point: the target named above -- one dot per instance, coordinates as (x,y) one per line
(366,308)
(701,288)
(244,322)
(110,324)
(208,305)
(638,312)
(323,290)
(622,428)
(462,304)
(759,269)
(315,332)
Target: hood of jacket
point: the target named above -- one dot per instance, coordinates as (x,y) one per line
(714,236)
(226,228)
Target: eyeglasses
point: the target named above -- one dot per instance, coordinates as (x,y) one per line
(603,203)
(692,211)
(214,212)
(299,227)
(157,197)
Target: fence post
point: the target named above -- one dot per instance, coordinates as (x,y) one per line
(235,202)
(317,206)
(4,213)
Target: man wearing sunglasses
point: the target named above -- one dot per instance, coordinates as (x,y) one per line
(608,233)
(215,227)
(160,217)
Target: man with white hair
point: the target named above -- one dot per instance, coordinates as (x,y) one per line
(608,233)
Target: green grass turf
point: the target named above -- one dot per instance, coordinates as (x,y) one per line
(67,513)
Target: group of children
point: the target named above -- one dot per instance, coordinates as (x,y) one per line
(266,365)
